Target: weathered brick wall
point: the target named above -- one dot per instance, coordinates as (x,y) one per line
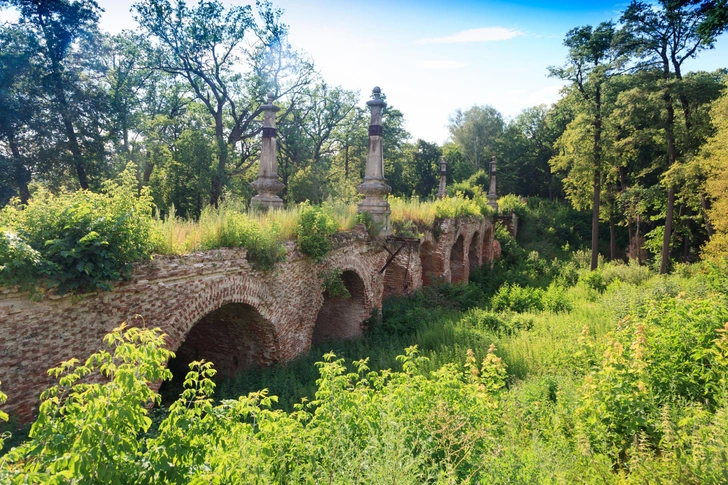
(281,307)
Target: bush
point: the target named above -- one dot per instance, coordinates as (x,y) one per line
(313,231)
(555,299)
(333,284)
(594,280)
(517,298)
(79,240)
(632,273)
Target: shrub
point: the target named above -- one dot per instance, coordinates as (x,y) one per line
(632,273)
(517,298)
(454,207)
(313,231)
(333,284)
(79,240)
(594,280)
(555,299)
(512,203)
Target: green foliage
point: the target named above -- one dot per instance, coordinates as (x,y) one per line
(77,241)
(517,298)
(313,232)
(333,284)
(90,431)
(455,207)
(512,203)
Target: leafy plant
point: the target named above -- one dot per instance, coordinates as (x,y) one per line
(313,232)
(78,240)
(333,284)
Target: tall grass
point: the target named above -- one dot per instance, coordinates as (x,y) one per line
(227,225)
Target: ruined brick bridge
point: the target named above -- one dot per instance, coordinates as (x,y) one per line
(213,305)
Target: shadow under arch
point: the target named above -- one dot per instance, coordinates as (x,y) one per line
(458,273)
(473,253)
(396,278)
(487,249)
(341,318)
(431,273)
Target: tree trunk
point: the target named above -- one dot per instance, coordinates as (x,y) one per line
(665,263)
(66,118)
(597,178)
(20,172)
(704,207)
(612,239)
(669,125)
(218,176)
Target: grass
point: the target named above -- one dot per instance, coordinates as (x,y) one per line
(174,235)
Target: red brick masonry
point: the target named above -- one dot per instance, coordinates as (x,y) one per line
(283,308)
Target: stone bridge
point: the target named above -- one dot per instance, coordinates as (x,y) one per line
(213,305)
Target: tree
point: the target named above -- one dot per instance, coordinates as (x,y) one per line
(593,57)
(17,112)
(476,131)
(206,46)
(57,29)
(714,156)
(663,37)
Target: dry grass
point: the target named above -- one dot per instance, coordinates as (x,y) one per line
(174,235)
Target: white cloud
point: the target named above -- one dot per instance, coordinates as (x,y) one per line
(441,64)
(484,34)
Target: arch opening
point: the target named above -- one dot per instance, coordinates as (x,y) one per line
(233,337)
(473,256)
(458,272)
(430,273)
(488,245)
(396,279)
(342,318)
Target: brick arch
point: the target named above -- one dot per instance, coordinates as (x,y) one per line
(474,251)
(228,322)
(358,265)
(458,268)
(342,318)
(487,249)
(431,263)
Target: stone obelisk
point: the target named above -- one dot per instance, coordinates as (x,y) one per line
(374,188)
(442,191)
(267,184)
(492,196)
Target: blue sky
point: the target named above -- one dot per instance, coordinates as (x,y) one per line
(433,57)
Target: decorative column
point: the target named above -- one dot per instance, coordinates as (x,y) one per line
(442,192)
(492,196)
(374,188)
(267,184)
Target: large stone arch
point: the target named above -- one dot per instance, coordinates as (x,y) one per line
(341,318)
(230,323)
(458,268)
(474,251)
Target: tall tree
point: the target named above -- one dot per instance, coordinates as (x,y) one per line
(476,131)
(592,59)
(17,109)
(57,28)
(664,36)
(230,60)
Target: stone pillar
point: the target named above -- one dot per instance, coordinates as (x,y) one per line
(442,192)
(492,196)
(374,188)
(267,184)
